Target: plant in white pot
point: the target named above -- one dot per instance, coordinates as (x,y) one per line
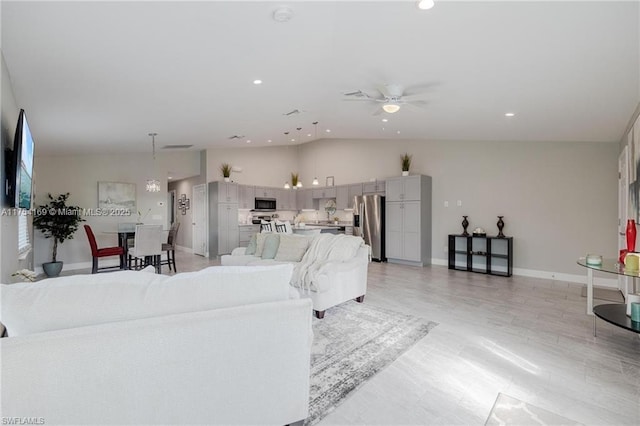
(225,168)
(59,221)
(406,164)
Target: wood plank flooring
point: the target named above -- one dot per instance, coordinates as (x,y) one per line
(525,337)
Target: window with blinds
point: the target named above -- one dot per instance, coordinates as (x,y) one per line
(23,233)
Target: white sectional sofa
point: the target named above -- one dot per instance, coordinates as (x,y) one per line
(329,269)
(224,345)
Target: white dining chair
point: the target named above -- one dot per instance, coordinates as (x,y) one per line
(147,247)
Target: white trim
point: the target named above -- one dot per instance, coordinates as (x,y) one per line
(184,249)
(548,275)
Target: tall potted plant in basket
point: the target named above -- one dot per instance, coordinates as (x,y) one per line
(59,221)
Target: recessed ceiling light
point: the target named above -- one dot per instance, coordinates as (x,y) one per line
(248,140)
(509,114)
(425,4)
(308,134)
(268,140)
(293,140)
(170,177)
(384,120)
(328,130)
(398,132)
(258,81)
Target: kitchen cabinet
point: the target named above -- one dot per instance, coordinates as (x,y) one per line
(342,197)
(245,234)
(246,196)
(408,220)
(286,199)
(228,192)
(377,187)
(223,218)
(266,192)
(354,190)
(304,200)
(326,192)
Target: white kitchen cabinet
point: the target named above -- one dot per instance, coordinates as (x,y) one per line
(246,196)
(342,197)
(305,200)
(377,187)
(245,234)
(326,192)
(266,192)
(223,218)
(286,199)
(408,220)
(354,190)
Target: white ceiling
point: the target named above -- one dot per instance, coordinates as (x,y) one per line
(99,76)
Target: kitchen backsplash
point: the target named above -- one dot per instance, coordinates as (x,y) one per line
(245,217)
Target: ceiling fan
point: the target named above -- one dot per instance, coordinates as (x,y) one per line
(392,98)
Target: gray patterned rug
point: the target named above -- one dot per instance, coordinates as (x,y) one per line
(352,343)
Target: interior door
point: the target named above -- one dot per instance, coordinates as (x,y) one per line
(624,282)
(199,220)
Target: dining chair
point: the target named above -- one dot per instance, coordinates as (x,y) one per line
(97,253)
(170,247)
(147,247)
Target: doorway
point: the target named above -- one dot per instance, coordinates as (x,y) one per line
(199,220)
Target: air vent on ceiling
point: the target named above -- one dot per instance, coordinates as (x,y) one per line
(176,146)
(236,137)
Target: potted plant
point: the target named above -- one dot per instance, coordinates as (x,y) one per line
(294,179)
(225,168)
(59,221)
(406,164)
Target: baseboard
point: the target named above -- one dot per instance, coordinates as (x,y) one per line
(184,249)
(548,275)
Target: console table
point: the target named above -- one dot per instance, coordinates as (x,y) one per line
(611,266)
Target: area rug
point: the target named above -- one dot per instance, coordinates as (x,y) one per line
(352,343)
(508,410)
(609,294)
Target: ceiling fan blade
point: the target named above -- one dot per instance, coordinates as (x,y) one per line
(378,111)
(358,99)
(418,89)
(412,106)
(382,88)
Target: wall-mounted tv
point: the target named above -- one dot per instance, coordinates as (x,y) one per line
(19,166)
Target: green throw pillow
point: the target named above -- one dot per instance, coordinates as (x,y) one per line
(251,247)
(271,244)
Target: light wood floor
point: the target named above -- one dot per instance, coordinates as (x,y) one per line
(525,337)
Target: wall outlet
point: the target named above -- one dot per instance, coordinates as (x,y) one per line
(446,204)
(459,203)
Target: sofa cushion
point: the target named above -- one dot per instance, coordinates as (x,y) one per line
(260,242)
(270,248)
(81,300)
(292,247)
(251,247)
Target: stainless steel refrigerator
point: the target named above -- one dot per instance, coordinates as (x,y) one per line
(368,223)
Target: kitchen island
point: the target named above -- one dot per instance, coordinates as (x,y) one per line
(316,228)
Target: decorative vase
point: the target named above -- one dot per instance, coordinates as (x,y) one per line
(631,235)
(52,269)
(465,223)
(405,173)
(500,226)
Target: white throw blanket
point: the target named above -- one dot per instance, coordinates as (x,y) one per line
(324,250)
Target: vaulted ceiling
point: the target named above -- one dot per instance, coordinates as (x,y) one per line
(99,76)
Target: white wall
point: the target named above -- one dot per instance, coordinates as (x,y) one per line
(559,200)
(79,175)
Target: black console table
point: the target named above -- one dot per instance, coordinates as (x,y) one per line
(481,254)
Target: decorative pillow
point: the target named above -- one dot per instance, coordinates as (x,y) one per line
(271,243)
(251,247)
(82,300)
(260,243)
(266,226)
(287,226)
(292,247)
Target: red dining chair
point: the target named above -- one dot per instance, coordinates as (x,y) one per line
(103,252)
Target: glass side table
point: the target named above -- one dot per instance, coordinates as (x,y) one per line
(611,266)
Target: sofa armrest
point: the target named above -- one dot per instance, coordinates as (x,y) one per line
(238,251)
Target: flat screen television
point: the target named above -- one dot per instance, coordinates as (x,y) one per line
(19,170)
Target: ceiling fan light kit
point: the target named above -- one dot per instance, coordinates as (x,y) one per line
(391,108)
(425,4)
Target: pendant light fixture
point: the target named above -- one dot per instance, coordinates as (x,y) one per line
(286,136)
(153,185)
(315,161)
(299,184)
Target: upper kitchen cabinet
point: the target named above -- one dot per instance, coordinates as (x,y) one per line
(326,192)
(304,199)
(225,192)
(266,192)
(246,196)
(345,195)
(377,187)
(404,188)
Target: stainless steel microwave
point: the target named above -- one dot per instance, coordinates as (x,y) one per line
(265,204)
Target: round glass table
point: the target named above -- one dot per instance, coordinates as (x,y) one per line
(615,313)
(611,266)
